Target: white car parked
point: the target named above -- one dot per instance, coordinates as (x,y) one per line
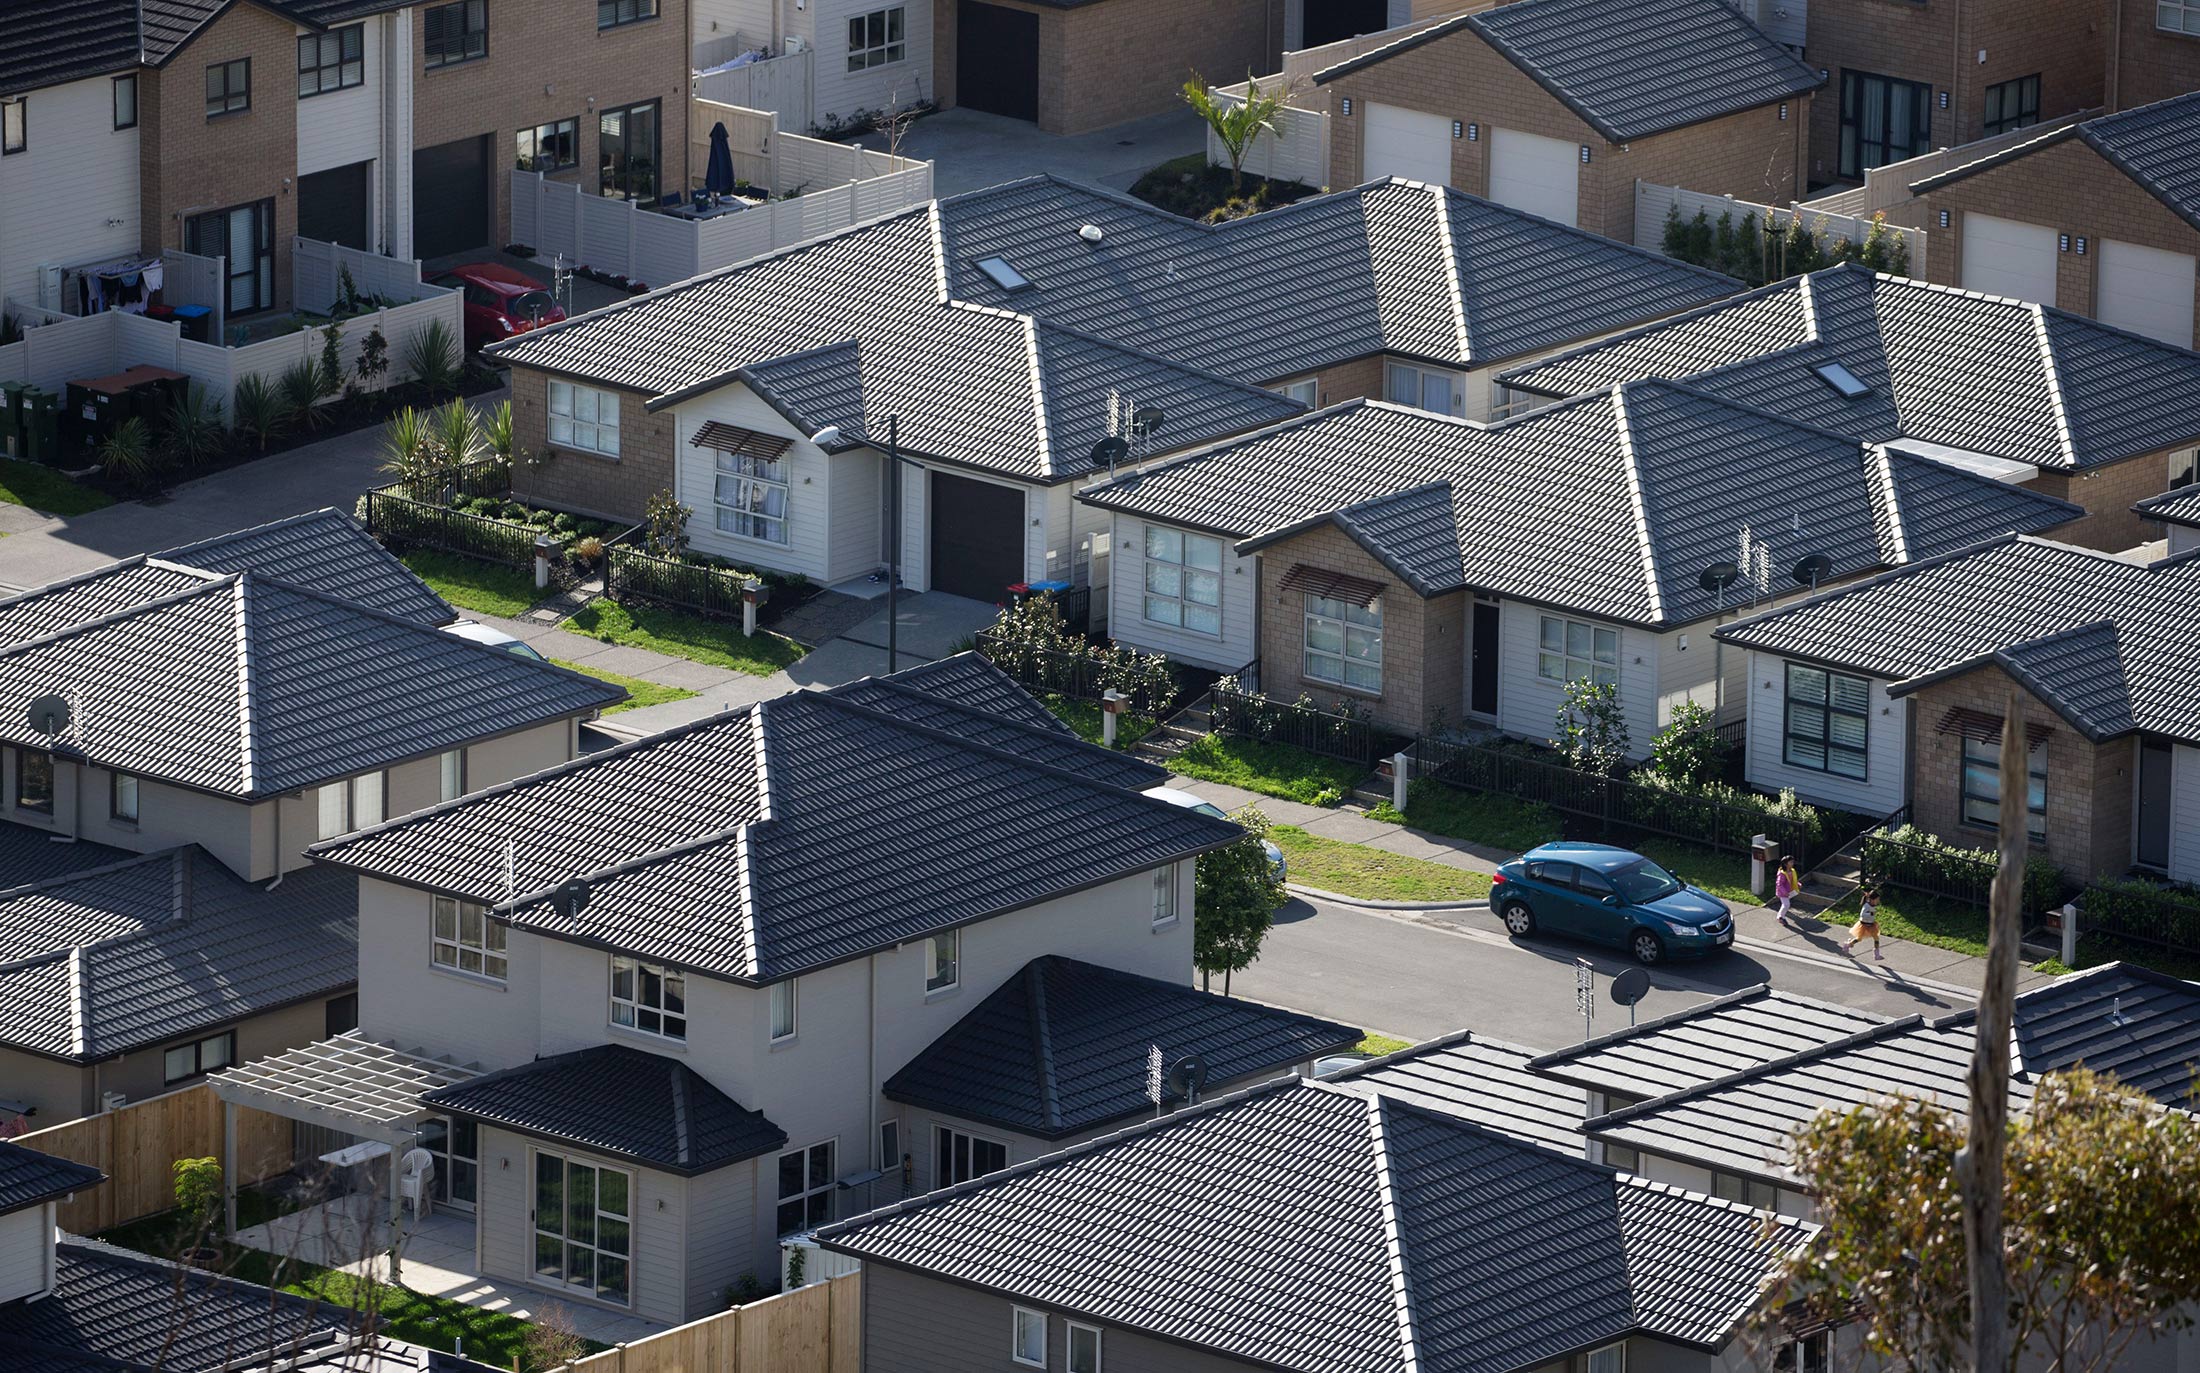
(1205,807)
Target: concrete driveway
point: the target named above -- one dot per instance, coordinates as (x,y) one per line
(970,150)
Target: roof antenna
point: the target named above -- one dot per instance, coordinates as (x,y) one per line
(1153,1078)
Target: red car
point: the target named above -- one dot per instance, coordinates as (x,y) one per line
(500,302)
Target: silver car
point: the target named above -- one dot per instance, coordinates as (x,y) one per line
(1205,807)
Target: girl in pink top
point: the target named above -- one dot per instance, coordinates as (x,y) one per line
(1785,886)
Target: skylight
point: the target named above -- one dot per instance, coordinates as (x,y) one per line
(1004,276)
(1840,379)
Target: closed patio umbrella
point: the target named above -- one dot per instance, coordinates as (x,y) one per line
(718,178)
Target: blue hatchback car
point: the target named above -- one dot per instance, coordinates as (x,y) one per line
(1610,896)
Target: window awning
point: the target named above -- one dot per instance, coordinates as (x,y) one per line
(350,1083)
(746,443)
(1986,728)
(1332,586)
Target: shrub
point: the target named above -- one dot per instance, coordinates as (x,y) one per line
(666,522)
(260,411)
(1029,642)
(1911,857)
(198,1190)
(497,432)
(192,428)
(587,550)
(1687,752)
(129,459)
(1591,729)
(435,359)
(332,359)
(300,390)
(2137,908)
(374,359)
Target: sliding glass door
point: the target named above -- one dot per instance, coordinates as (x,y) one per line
(627,149)
(583,1226)
(456,1159)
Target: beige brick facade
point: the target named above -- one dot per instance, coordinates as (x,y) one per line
(586,483)
(2146,62)
(1753,154)
(1423,658)
(2107,493)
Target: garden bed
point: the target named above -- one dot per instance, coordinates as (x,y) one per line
(1188,186)
(1084,717)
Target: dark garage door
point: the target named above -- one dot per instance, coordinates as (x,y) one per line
(997,60)
(451,198)
(1328,21)
(332,206)
(977,537)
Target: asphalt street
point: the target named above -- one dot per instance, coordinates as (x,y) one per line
(1416,974)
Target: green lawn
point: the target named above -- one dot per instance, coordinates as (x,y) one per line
(1724,875)
(1379,1045)
(1960,927)
(638,692)
(1084,717)
(1271,769)
(47,491)
(1372,874)
(471,584)
(685,636)
(1478,817)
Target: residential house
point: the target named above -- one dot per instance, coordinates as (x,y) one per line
(2151,52)
(715,986)
(1434,571)
(2177,510)
(997,339)
(1893,692)
(1558,107)
(2024,392)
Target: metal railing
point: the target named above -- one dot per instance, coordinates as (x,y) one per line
(1249,715)
(402,519)
(2138,911)
(632,575)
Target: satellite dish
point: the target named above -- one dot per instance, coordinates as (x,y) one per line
(49,715)
(1110,451)
(1813,569)
(573,897)
(1718,577)
(1187,1075)
(1630,987)
(1145,419)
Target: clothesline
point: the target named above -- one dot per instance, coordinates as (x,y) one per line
(126,284)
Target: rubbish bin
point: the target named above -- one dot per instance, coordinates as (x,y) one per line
(11,418)
(197,322)
(41,418)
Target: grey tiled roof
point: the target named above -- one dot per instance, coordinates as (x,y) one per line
(1432,1243)
(2001,377)
(1614,503)
(326,551)
(618,1100)
(759,843)
(1703,1043)
(1061,1047)
(1629,68)
(29,854)
(2151,144)
(1485,1080)
(28,1177)
(162,946)
(2181,506)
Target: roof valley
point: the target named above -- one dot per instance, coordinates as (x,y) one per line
(1042,1042)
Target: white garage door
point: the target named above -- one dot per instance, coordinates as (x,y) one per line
(1407,143)
(2147,291)
(1536,174)
(2003,257)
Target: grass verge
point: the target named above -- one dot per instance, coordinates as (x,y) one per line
(1084,717)
(1271,769)
(639,693)
(1960,927)
(1379,1045)
(1372,874)
(470,584)
(685,636)
(1724,875)
(46,491)
(1478,817)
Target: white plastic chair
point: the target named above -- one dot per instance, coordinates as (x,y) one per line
(415,1183)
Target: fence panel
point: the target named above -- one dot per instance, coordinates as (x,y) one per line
(1654,202)
(814,1329)
(317,274)
(781,85)
(1249,716)
(631,575)
(397,517)
(2137,912)
(137,1146)
(664,249)
(188,279)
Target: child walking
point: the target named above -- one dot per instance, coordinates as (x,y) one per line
(1784,886)
(1867,923)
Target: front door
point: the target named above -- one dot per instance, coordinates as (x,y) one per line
(1482,670)
(583,1226)
(2154,806)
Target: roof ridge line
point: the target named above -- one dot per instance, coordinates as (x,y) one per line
(1870,1034)
(118,615)
(1142,354)
(682,1144)
(9,893)
(79,1015)
(247,732)
(1738,996)
(1394,1240)
(1640,503)
(2053,370)
(1042,1040)
(1688,316)
(32,593)
(1038,377)
(1879,463)
(518,901)
(1453,285)
(744,893)
(939,251)
(762,741)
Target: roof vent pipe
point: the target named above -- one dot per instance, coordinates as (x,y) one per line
(1091,233)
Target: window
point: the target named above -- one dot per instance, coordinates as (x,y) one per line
(245,234)
(585,418)
(1982,786)
(2183,468)
(1813,1353)
(554,147)
(1748,1191)
(2012,105)
(875,39)
(1612,1358)
(229,87)
(450,774)
(1084,1348)
(1344,643)
(456,1145)
(648,997)
(612,13)
(1164,896)
(1027,1338)
(959,1157)
(341,807)
(784,1021)
(332,61)
(1425,388)
(207,1055)
(14,125)
(465,938)
(805,1188)
(122,797)
(2178,16)
(455,33)
(1305,390)
(1569,650)
(1828,721)
(1883,120)
(34,780)
(1841,379)
(584,1228)
(626,152)
(1003,274)
(1183,580)
(749,496)
(340,1014)
(941,953)
(1620,1155)
(126,92)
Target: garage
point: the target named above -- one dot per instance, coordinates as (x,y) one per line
(997,60)
(332,205)
(2147,291)
(1332,21)
(1407,143)
(977,537)
(2005,257)
(451,197)
(1539,175)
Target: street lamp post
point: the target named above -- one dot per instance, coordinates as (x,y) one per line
(893,543)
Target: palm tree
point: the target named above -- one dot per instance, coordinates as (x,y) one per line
(1236,122)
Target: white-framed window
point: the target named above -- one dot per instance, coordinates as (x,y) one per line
(450,774)
(1612,1358)
(749,496)
(2178,16)
(1748,1191)
(467,940)
(958,1156)
(806,1188)
(1827,724)
(889,1145)
(1183,580)
(200,1056)
(341,807)
(942,961)
(1306,390)
(876,39)
(2184,464)
(1812,1353)
(1344,643)
(584,417)
(14,125)
(1425,388)
(122,797)
(785,999)
(1569,650)
(1084,1348)
(584,1225)
(1027,1337)
(648,997)
(1164,897)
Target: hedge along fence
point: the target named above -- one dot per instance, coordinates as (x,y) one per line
(633,575)
(1299,723)
(2142,912)
(404,520)
(1908,857)
(1064,664)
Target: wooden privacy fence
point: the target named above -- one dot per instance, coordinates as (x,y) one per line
(137,1147)
(814,1329)
(1653,202)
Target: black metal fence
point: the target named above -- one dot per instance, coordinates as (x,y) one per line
(1894,855)
(402,519)
(2142,912)
(632,575)
(1250,715)
(1084,674)
(489,477)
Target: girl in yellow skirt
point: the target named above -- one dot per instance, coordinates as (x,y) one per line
(1867,923)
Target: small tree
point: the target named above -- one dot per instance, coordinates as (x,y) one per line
(552,1342)
(1236,123)
(1687,752)
(664,525)
(374,359)
(332,359)
(1235,895)
(198,1191)
(1591,728)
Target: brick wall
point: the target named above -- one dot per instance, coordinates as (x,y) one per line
(2107,493)
(1343,381)
(584,482)
(2147,63)
(189,163)
(550,62)
(1422,655)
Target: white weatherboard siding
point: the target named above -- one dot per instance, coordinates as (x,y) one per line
(1527,705)
(809,545)
(842,92)
(26,1251)
(718,19)
(2004,257)
(2147,291)
(405,998)
(1539,175)
(1237,645)
(858,521)
(1886,743)
(657,1239)
(721,1234)
(338,128)
(1686,672)
(70,198)
(1407,143)
(2184,822)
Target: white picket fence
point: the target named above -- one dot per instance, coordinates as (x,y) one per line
(1654,202)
